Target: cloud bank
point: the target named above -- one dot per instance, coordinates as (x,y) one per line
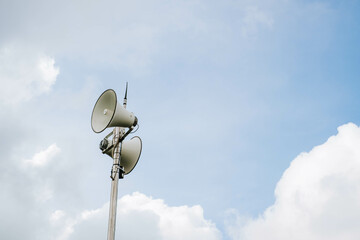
(34,185)
(139,217)
(25,73)
(43,157)
(318,196)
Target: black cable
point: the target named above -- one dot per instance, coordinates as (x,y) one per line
(135,129)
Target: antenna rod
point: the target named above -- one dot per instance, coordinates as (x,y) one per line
(125,98)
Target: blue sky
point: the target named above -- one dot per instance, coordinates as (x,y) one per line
(227,94)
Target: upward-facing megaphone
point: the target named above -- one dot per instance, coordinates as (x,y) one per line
(108,112)
(129,153)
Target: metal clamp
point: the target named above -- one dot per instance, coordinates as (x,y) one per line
(116,168)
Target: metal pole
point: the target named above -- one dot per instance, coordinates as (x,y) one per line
(116,172)
(114,184)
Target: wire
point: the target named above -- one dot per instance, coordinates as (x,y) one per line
(135,129)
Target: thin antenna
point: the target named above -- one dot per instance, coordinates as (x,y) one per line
(125,98)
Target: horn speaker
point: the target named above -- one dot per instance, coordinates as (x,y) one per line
(129,153)
(108,112)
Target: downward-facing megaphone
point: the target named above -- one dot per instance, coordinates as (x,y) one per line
(129,153)
(108,112)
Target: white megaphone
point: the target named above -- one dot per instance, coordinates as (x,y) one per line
(108,112)
(129,153)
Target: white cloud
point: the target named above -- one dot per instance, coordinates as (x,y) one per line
(24,73)
(48,73)
(30,188)
(42,190)
(43,157)
(318,196)
(56,216)
(141,217)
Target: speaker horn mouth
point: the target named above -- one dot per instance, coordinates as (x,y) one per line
(137,160)
(104,112)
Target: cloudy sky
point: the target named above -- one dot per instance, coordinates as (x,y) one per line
(248,113)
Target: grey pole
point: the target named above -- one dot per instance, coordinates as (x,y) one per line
(115,172)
